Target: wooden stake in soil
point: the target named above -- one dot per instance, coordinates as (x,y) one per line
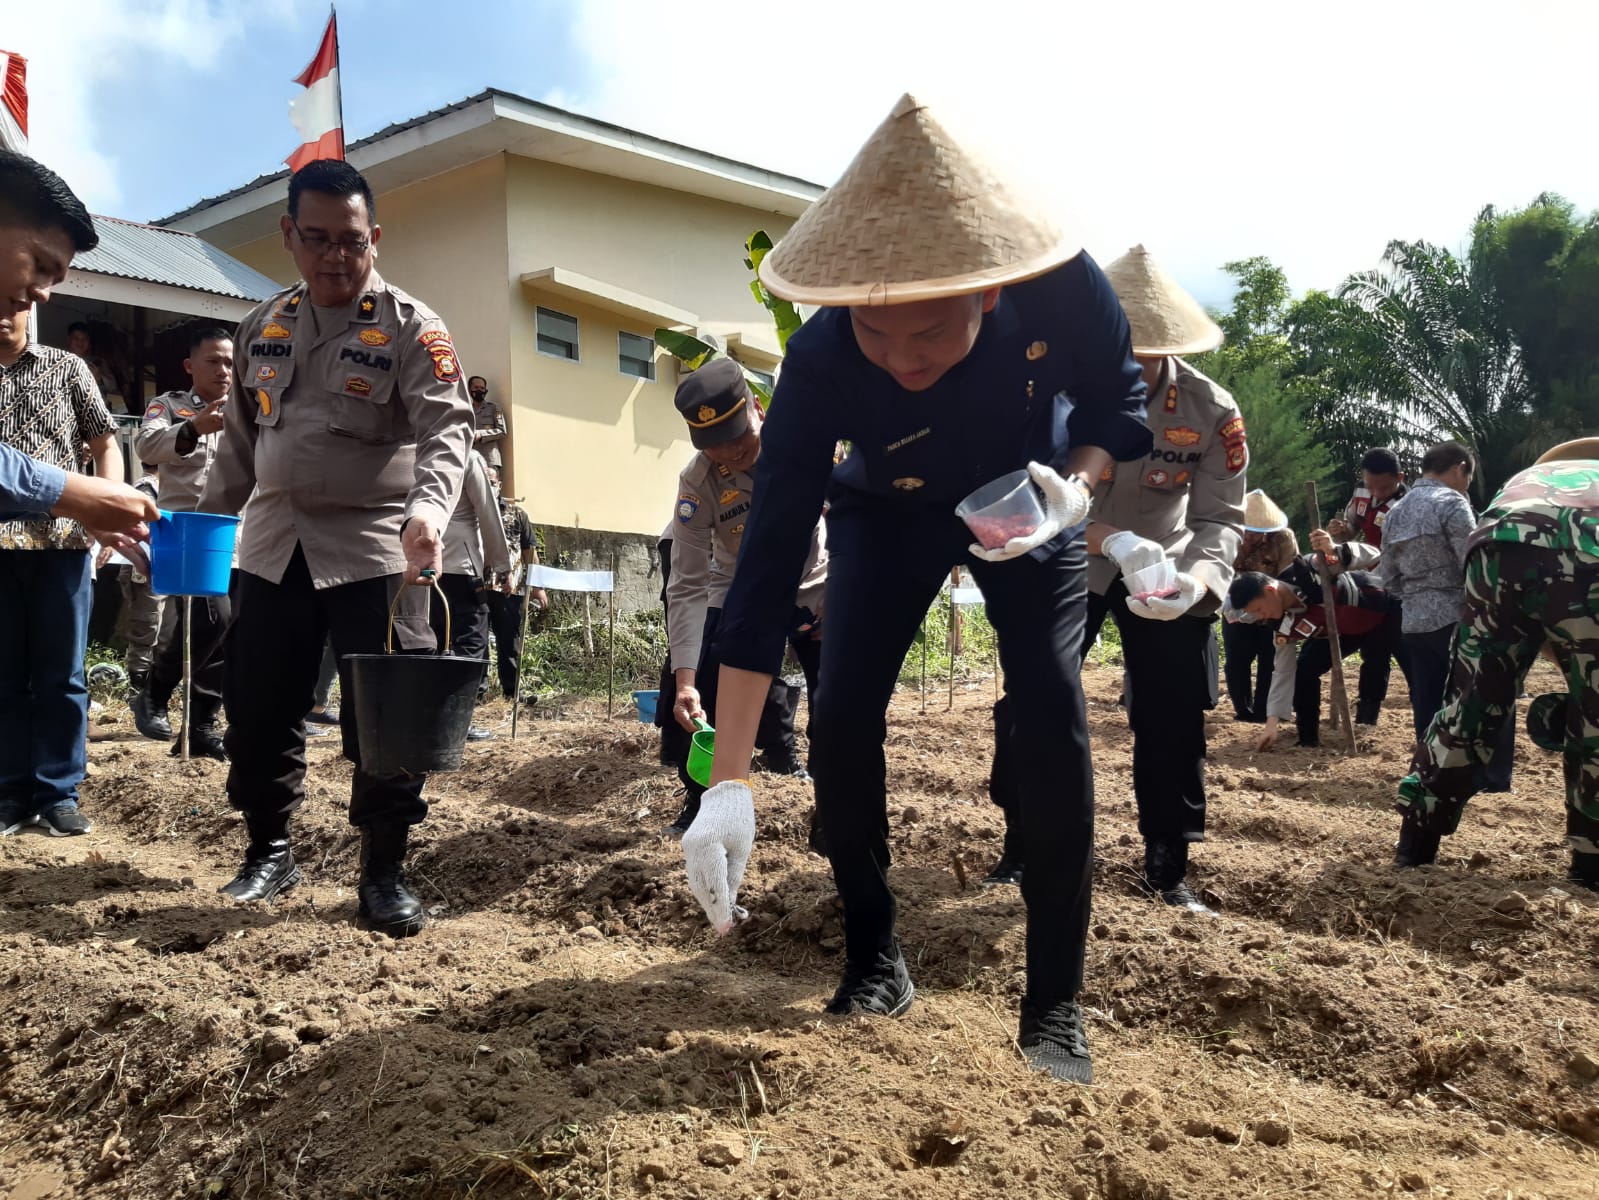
(521,645)
(188,675)
(1340,695)
(924,665)
(954,610)
(610,669)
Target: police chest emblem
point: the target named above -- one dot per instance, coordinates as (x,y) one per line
(1181,435)
(687,506)
(375,337)
(1037,351)
(185,413)
(909,484)
(729,495)
(357,386)
(1157,479)
(1108,474)
(276,331)
(265,374)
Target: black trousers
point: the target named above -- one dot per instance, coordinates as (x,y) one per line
(212,615)
(505,621)
(885,568)
(1169,685)
(1246,645)
(1430,664)
(274,651)
(674,738)
(469,615)
(1377,649)
(776,729)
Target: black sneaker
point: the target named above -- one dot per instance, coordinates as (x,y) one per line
(1182,896)
(328,716)
(882,988)
(478,734)
(783,762)
(1052,1040)
(62,819)
(816,839)
(1417,847)
(14,815)
(1007,870)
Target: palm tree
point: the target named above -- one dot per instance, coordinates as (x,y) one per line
(1416,352)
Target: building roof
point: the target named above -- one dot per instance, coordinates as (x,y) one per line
(133,251)
(498,122)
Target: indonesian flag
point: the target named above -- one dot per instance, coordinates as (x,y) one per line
(318,113)
(13,101)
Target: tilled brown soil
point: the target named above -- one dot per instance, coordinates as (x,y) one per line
(568,1026)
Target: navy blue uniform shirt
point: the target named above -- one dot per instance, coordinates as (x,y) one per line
(1052,369)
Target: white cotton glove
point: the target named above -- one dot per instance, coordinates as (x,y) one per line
(1130,552)
(717,848)
(1166,608)
(1066,503)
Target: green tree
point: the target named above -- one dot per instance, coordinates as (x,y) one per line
(1544,261)
(1257,364)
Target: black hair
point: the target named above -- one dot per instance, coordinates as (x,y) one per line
(1446,455)
(1246,589)
(1379,461)
(471,378)
(32,194)
(331,177)
(201,334)
(77,325)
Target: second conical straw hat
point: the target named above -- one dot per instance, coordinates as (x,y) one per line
(915,216)
(1164,318)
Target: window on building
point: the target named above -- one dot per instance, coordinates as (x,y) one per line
(636,355)
(765,377)
(557,334)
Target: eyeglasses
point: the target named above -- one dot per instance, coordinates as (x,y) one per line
(319,245)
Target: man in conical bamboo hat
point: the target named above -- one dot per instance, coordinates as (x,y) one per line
(962,337)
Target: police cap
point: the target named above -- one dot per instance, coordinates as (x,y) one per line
(714,400)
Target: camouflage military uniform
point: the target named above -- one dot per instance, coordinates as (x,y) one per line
(1532,574)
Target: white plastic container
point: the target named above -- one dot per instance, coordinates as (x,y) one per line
(1153,582)
(1004,509)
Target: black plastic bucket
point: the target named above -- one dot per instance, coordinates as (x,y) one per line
(412,711)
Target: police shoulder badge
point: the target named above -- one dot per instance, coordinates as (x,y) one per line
(155,410)
(437,343)
(687,506)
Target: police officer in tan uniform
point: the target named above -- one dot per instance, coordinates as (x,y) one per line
(1185,502)
(347,431)
(180,434)
(713,503)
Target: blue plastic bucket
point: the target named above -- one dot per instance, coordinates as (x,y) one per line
(646,702)
(191,554)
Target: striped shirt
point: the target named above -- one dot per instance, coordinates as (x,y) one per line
(49,406)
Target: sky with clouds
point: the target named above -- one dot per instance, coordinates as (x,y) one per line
(1210,131)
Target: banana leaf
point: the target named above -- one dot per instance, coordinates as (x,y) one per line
(784,314)
(694,354)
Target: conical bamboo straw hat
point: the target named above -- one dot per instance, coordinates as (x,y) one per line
(1581,448)
(915,216)
(1164,318)
(1261,514)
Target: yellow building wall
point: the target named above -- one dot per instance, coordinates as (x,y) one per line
(589,446)
(601,449)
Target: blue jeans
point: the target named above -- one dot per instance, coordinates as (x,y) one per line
(44,696)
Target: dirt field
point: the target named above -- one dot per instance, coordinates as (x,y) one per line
(569,1027)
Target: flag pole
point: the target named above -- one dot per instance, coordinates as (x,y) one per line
(338,91)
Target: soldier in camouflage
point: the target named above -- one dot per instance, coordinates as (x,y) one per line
(1532,575)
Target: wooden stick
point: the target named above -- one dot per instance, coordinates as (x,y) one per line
(1340,695)
(188,675)
(610,677)
(924,665)
(954,610)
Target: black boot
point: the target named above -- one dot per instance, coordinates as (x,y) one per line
(1585,869)
(817,839)
(1417,847)
(1366,711)
(269,867)
(685,816)
(1009,867)
(785,761)
(1165,874)
(386,903)
(150,720)
(206,742)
